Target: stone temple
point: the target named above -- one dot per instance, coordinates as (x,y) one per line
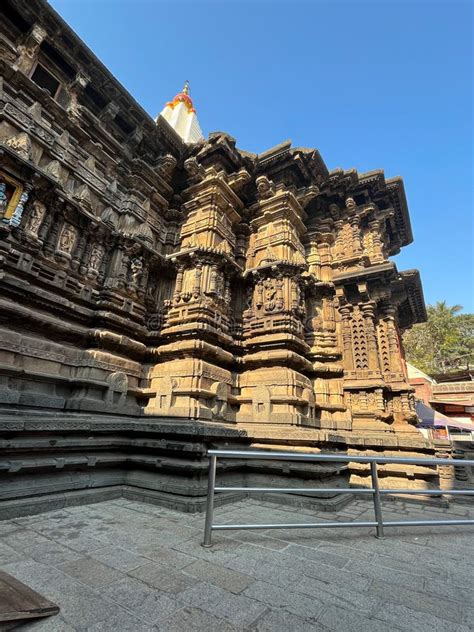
(162,293)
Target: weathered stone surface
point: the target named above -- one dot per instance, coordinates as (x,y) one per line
(188,294)
(279,589)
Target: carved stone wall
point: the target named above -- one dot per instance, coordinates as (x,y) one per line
(146,277)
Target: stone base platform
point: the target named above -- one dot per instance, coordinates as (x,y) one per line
(49,461)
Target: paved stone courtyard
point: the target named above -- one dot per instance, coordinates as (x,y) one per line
(122,565)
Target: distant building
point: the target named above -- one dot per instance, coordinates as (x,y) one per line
(451,395)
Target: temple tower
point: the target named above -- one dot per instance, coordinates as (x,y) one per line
(182,117)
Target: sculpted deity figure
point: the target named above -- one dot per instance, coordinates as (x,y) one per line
(67,239)
(96,257)
(269,295)
(136,269)
(37,213)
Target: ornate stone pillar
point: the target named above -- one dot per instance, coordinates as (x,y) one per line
(197,279)
(50,242)
(80,256)
(392,336)
(346,325)
(368,311)
(179,283)
(338,244)
(375,227)
(325,258)
(213,279)
(357,248)
(15,219)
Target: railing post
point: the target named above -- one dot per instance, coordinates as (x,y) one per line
(377,503)
(211,482)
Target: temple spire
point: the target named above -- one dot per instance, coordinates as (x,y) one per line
(181,115)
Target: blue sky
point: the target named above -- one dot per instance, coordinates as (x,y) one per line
(378,84)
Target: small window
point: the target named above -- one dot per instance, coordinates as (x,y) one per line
(58,60)
(123,125)
(45,80)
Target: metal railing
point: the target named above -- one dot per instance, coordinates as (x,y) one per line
(375,490)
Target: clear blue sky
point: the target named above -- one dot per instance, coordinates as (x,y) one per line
(378,84)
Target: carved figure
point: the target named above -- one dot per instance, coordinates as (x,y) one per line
(96,257)
(136,269)
(37,213)
(67,239)
(350,204)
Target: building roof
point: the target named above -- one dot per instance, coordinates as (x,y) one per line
(430,418)
(414,373)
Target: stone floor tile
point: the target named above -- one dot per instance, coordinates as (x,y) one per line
(342,620)
(91,572)
(463,595)
(9,526)
(368,549)
(408,619)
(78,542)
(238,610)
(163,578)
(293,602)
(189,619)
(256,538)
(345,596)
(118,558)
(222,550)
(149,604)
(119,621)
(282,621)
(229,580)
(51,553)
(417,600)
(378,571)
(166,556)
(265,570)
(22,538)
(338,560)
(468,617)
(7,554)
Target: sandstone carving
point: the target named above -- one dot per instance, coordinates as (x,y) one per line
(164,276)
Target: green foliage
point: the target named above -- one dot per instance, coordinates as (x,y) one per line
(444,343)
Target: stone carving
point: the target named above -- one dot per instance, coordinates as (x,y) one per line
(96,256)
(166,166)
(29,49)
(35,217)
(20,143)
(265,187)
(67,239)
(350,204)
(136,270)
(211,284)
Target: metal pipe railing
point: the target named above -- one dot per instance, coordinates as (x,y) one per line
(375,490)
